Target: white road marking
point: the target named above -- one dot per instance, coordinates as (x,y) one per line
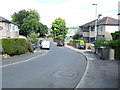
(25,60)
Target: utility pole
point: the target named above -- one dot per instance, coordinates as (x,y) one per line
(95,21)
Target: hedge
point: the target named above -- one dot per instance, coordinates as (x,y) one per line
(116,35)
(115,44)
(15,46)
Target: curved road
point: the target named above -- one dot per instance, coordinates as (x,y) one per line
(60,67)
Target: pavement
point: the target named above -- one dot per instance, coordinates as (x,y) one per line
(99,73)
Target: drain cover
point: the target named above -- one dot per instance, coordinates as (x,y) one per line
(65,74)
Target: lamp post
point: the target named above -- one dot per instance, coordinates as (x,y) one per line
(95,21)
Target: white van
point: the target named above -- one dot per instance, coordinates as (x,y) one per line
(45,44)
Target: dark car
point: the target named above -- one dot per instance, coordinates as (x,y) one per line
(34,46)
(60,43)
(40,41)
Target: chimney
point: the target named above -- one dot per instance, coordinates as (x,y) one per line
(99,16)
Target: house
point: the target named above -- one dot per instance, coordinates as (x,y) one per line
(119,20)
(105,27)
(70,33)
(8,29)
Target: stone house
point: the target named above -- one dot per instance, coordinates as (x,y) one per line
(105,27)
(8,29)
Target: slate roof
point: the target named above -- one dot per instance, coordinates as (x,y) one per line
(92,23)
(108,21)
(5,20)
(103,21)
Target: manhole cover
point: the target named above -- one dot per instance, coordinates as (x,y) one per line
(65,74)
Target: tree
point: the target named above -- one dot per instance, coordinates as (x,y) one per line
(33,38)
(59,28)
(42,30)
(28,21)
(76,36)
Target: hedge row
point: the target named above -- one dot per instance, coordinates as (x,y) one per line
(15,46)
(115,43)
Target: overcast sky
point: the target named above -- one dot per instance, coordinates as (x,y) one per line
(75,12)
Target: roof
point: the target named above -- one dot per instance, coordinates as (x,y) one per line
(92,23)
(5,20)
(103,21)
(108,21)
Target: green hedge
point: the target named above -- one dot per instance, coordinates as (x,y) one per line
(116,35)
(15,46)
(115,44)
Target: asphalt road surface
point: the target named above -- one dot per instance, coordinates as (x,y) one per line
(58,67)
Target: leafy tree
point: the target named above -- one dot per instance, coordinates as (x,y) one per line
(42,30)
(59,27)
(76,36)
(18,17)
(28,21)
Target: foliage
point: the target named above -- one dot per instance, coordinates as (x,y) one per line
(76,36)
(59,27)
(116,35)
(15,46)
(59,37)
(28,21)
(42,30)
(101,41)
(33,38)
(115,44)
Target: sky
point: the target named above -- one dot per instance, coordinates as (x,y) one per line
(74,12)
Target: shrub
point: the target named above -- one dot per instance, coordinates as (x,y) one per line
(115,44)
(59,37)
(33,38)
(76,36)
(116,35)
(14,46)
(101,41)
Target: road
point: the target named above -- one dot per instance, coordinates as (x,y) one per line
(58,67)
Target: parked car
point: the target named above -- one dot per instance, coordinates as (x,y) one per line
(45,44)
(60,43)
(34,46)
(81,47)
(40,41)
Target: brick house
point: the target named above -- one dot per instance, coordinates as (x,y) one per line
(8,29)
(105,27)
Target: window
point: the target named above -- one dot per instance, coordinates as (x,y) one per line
(100,28)
(7,27)
(93,28)
(1,27)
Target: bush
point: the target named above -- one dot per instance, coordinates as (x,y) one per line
(116,35)
(59,37)
(101,41)
(33,38)
(115,44)
(15,46)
